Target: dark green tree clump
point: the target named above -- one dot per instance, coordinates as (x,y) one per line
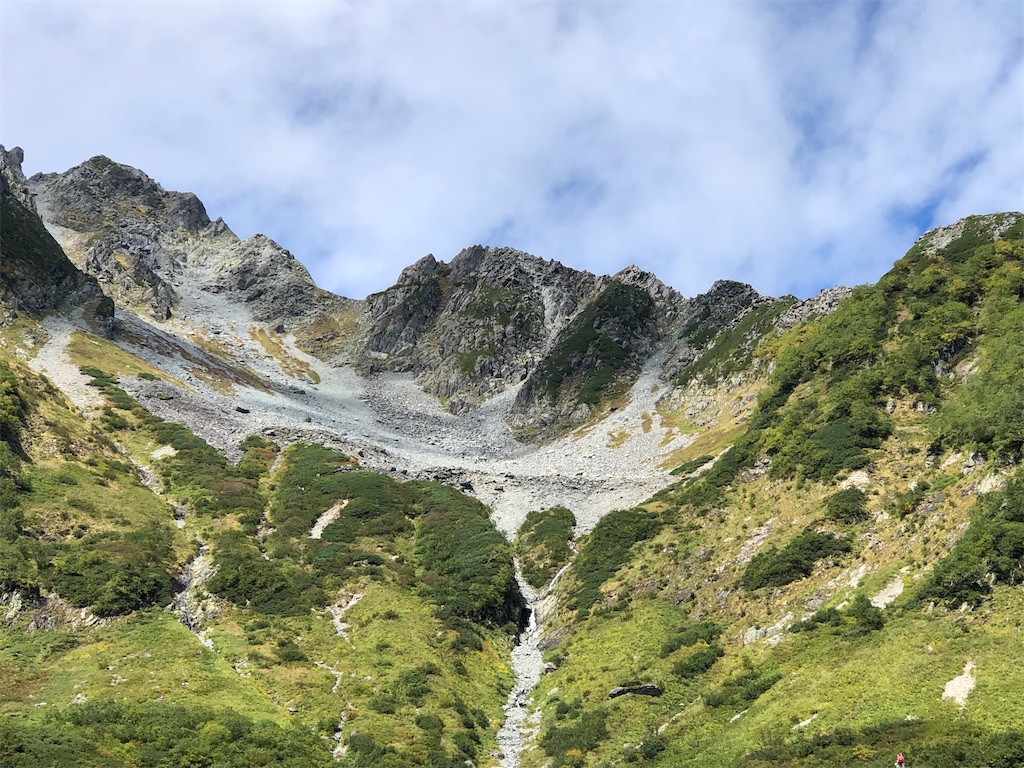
(606,550)
(847,506)
(464,563)
(543,544)
(778,567)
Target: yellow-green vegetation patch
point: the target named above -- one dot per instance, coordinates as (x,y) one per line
(617,438)
(644,645)
(22,336)
(290,364)
(326,333)
(146,657)
(88,350)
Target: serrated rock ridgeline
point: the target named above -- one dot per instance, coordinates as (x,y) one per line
(471,328)
(149,247)
(490,320)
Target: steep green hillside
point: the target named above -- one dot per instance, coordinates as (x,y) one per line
(330,607)
(826,590)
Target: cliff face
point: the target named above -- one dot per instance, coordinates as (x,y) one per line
(471,328)
(151,249)
(35,274)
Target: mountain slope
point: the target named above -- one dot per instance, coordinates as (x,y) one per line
(829,573)
(35,274)
(843,582)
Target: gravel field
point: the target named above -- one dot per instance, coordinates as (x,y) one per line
(388,421)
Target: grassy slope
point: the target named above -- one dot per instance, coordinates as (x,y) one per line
(869,691)
(410,683)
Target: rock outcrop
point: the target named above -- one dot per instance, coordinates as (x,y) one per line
(35,274)
(705,317)
(646,689)
(153,249)
(471,328)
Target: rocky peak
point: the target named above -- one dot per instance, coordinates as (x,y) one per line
(669,301)
(822,304)
(995,224)
(470,328)
(705,317)
(420,271)
(12,179)
(155,250)
(85,196)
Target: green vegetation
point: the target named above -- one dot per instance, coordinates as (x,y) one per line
(990,552)
(606,550)
(598,347)
(24,240)
(465,564)
(731,350)
(860,617)
(111,734)
(929,313)
(115,573)
(777,567)
(906,502)
(875,746)
(113,565)
(543,544)
(567,744)
(698,662)
(847,506)
(691,466)
(743,688)
(702,631)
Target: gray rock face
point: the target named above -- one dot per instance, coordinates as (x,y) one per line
(597,356)
(12,179)
(706,316)
(35,274)
(149,247)
(647,689)
(823,304)
(471,328)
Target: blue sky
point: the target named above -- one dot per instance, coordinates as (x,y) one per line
(792,145)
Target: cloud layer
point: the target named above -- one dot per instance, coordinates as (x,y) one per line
(794,145)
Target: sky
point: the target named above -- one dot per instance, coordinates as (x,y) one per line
(792,145)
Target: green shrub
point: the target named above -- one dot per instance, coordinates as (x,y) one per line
(698,662)
(248,579)
(702,631)
(606,550)
(115,573)
(990,552)
(584,735)
(463,562)
(847,506)
(778,567)
(688,467)
(907,502)
(543,544)
(287,651)
(158,734)
(743,688)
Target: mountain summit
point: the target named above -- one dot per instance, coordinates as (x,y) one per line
(503,513)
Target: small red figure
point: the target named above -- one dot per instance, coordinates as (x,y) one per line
(899,760)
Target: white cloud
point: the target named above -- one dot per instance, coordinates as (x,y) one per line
(793,146)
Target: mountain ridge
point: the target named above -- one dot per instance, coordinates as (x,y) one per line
(767,532)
